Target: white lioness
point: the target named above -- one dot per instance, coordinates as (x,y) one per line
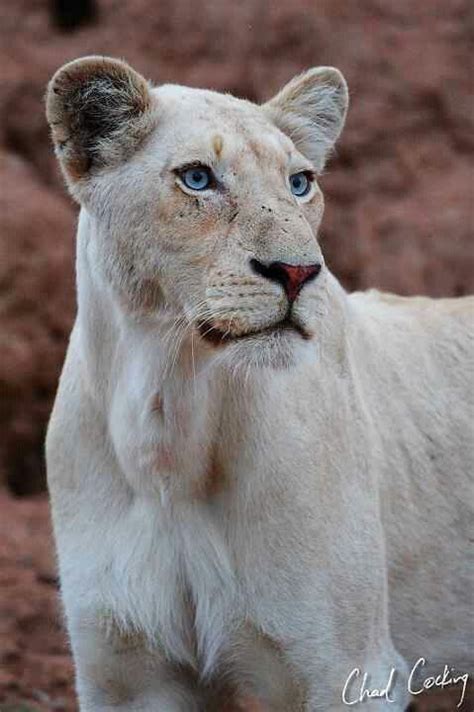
(259,482)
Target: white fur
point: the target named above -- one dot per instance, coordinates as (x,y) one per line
(332,532)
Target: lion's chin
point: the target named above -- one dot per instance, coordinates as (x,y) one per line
(278,348)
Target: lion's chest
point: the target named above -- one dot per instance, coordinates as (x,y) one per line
(169,575)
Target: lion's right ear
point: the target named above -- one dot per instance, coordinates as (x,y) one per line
(99,110)
(311,110)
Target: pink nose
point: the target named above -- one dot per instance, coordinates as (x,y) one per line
(291,277)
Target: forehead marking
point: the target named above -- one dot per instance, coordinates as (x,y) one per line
(217,144)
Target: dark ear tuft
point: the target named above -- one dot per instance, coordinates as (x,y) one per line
(99,110)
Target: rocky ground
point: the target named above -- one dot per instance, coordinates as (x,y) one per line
(399,213)
(35,666)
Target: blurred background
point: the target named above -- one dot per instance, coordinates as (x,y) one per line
(399,211)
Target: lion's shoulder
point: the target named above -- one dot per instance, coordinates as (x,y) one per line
(426,308)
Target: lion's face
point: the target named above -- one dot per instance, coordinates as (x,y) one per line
(207,207)
(216,182)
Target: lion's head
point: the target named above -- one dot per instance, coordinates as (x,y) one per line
(201,205)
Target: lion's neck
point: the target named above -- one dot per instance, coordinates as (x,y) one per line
(154,385)
(165,397)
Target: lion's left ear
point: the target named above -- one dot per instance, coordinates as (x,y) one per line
(311,110)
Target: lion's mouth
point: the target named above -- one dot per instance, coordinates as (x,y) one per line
(216,336)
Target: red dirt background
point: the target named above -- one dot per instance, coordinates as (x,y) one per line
(399,215)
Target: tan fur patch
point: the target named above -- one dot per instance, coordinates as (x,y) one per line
(263,678)
(218,144)
(114,691)
(257,149)
(157,404)
(214,480)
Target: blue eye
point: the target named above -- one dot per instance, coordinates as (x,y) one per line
(197,177)
(300,183)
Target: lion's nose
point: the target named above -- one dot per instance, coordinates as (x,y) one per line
(291,277)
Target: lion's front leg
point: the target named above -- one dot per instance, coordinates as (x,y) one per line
(117,672)
(362,670)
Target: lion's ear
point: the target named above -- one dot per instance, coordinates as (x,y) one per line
(311,110)
(99,110)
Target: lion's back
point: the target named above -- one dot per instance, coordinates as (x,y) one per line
(421,331)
